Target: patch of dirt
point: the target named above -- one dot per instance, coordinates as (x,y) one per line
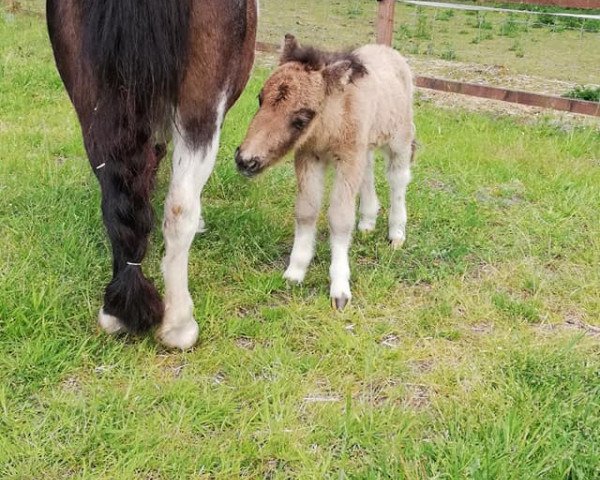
(172,365)
(573,322)
(482,271)
(71,385)
(376,393)
(219,378)
(390,341)
(245,343)
(418,396)
(420,367)
(502,195)
(482,329)
(438,185)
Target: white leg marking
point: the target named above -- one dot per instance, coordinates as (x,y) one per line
(342,214)
(369,204)
(191,169)
(399,176)
(108,323)
(310,173)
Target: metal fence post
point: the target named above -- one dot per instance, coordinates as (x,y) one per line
(385,21)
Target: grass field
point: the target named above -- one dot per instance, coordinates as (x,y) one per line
(473,353)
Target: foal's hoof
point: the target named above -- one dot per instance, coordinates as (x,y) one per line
(294,276)
(182,336)
(396,243)
(340,303)
(201,226)
(108,323)
(367,226)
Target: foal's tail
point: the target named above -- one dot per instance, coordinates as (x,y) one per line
(137,52)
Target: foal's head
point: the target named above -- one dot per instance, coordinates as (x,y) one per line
(291,100)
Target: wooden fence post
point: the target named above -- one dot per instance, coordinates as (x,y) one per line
(385,21)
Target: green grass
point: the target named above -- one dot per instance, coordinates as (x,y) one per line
(465,355)
(589,93)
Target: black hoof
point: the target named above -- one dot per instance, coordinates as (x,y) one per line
(340,303)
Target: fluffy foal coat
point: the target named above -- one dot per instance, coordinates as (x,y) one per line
(131,69)
(336,108)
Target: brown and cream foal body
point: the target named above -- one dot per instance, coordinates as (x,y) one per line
(132,70)
(336,108)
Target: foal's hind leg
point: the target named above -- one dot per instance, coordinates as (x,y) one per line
(399,155)
(369,204)
(193,161)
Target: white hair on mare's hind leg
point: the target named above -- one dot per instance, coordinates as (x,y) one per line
(192,166)
(108,323)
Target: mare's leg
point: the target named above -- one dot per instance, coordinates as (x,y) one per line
(125,166)
(193,161)
(310,172)
(126,175)
(399,155)
(342,216)
(369,204)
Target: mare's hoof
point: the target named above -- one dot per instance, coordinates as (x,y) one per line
(182,336)
(108,323)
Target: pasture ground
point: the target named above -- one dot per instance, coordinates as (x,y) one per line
(472,353)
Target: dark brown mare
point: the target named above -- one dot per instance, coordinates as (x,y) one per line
(134,69)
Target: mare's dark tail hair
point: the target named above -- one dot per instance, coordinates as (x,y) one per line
(137,52)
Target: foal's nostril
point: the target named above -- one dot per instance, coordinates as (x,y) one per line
(252,165)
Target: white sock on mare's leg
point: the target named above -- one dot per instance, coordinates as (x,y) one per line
(191,169)
(108,323)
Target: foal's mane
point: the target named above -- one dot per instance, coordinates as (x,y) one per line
(315,59)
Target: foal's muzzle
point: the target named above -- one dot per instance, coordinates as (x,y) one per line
(249,167)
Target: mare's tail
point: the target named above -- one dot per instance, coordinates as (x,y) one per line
(137,52)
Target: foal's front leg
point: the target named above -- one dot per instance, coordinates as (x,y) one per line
(342,215)
(310,172)
(192,165)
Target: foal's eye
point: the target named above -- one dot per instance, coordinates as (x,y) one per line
(303,117)
(299,123)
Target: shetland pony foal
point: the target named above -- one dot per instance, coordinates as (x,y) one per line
(130,68)
(336,108)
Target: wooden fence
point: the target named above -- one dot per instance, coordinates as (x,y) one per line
(385,35)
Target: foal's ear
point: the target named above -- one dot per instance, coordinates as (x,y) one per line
(290,45)
(337,75)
